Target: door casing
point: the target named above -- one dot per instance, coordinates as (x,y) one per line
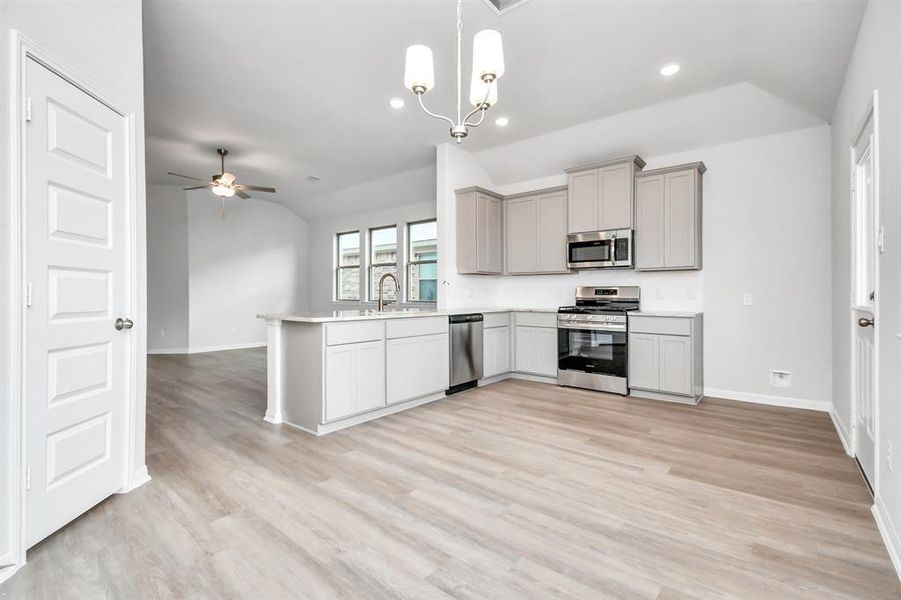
(13,406)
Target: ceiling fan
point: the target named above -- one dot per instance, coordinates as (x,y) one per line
(224,184)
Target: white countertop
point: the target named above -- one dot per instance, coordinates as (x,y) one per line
(665,313)
(403,313)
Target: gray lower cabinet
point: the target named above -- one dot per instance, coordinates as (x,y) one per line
(601,195)
(535,232)
(480,232)
(535,343)
(666,357)
(354,378)
(496,351)
(668,218)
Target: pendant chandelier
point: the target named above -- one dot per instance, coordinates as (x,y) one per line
(487,67)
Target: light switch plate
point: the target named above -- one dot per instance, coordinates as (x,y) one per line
(747,299)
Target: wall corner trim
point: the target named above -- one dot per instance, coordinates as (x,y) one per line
(889,534)
(769,400)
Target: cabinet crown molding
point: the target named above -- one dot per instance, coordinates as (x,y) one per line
(550,190)
(700,167)
(481,190)
(639,164)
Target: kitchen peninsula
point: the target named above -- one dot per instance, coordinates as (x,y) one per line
(331,370)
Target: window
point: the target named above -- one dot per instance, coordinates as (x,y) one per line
(347,272)
(382,259)
(422,265)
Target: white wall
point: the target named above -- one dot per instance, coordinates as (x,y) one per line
(251,262)
(766,231)
(875,65)
(102,41)
(322,243)
(167,268)
(210,277)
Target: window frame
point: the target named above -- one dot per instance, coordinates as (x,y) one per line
(371,294)
(339,268)
(410,262)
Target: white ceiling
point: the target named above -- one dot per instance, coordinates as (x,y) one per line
(299,88)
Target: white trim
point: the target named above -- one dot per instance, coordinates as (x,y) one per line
(22,50)
(889,534)
(842,431)
(769,400)
(204,349)
(136,480)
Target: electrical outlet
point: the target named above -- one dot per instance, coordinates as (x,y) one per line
(747,299)
(780,379)
(889,455)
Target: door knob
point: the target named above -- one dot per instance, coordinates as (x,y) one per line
(123,324)
(864,322)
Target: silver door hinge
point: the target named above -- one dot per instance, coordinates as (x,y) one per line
(29,296)
(28,478)
(27,109)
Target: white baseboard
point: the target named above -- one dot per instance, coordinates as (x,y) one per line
(842,431)
(820,405)
(889,534)
(9,571)
(202,349)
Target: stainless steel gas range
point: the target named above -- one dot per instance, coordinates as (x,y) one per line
(593,339)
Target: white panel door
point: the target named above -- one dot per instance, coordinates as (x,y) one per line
(77,368)
(863,301)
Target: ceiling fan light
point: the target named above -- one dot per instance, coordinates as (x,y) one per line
(227,178)
(488,54)
(223,191)
(478,89)
(419,72)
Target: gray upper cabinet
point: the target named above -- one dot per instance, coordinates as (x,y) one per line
(535,232)
(480,232)
(601,195)
(668,218)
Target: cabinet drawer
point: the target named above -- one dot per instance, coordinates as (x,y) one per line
(496,320)
(351,333)
(661,325)
(536,319)
(398,328)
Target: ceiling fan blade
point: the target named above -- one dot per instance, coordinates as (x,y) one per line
(187,176)
(256,188)
(197,187)
(241,194)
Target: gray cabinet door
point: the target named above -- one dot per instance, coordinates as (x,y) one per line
(644,361)
(615,197)
(545,351)
(524,340)
(489,236)
(550,232)
(496,341)
(680,235)
(583,201)
(675,364)
(521,227)
(649,222)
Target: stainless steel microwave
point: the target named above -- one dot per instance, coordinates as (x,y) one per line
(599,249)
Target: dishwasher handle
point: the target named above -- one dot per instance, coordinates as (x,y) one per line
(470,318)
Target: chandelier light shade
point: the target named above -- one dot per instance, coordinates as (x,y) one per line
(420,69)
(487,67)
(488,54)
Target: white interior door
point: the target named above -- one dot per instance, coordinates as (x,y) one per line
(78,283)
(863,300)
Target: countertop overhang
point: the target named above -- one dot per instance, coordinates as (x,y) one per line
(371,315)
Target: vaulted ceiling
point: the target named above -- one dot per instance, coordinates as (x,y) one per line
(302,88)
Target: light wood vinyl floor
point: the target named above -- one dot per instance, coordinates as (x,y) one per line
(515,490)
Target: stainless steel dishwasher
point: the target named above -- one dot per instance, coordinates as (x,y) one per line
(465,351)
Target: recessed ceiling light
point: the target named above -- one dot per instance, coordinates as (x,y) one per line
(501,121)
(669,70)
(396,103)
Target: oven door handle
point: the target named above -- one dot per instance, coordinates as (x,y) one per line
(611,328)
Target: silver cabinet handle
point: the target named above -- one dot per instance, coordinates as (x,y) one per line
(123,324)
(864,322)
